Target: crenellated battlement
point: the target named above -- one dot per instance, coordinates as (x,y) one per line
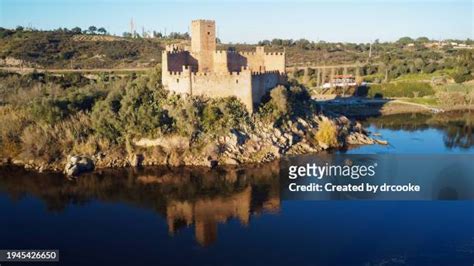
(202,21)
(256,73)
(173,47)
(171,52)
(176,73)
(275,53)
(222,74)
(221,52)
(247,53)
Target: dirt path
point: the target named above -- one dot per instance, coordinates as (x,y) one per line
(432,109)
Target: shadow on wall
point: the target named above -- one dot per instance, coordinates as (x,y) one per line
(235,61)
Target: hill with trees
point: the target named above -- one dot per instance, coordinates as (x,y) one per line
(93,47)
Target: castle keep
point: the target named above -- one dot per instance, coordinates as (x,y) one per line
(204,70)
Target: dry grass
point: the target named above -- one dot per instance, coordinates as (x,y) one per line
(13,122)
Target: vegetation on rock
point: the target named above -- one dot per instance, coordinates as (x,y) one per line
(327,134)
(110,116)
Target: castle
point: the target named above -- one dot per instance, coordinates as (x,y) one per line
(203,70)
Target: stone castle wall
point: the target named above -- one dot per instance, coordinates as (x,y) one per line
(264,82)
(207,71)
(247,84)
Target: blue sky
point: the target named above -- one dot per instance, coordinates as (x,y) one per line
(251,21)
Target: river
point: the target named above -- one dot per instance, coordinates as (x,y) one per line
(190,216)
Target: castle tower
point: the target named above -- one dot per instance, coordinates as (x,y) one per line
(203,43)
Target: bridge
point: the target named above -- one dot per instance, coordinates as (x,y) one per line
(325,73)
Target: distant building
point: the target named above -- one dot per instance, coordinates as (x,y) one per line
(203,70)
(341,81)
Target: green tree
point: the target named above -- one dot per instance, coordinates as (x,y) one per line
(105,118)
(405,40)
(92,29)
(422,40)
(76,30)
(141,111)
(102,31)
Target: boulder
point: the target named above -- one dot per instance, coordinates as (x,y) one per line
(323,145)
(357,138)
(231,161)
(381,142)
(277,133)
(302,122)
(77,165)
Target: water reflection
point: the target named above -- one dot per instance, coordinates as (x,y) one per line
(457,127)
(186,196)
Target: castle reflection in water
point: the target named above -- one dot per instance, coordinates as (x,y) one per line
(187,197)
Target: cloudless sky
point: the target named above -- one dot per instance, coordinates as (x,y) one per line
(251,21)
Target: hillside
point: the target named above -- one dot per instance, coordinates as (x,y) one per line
(66,49)
(55,49)
(60,49)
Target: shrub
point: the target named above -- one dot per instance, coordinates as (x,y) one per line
(221,115)
(286,102)
(211,117)
(327,133)
(462,75)
(141,112)
(105,119)
(39,144)
(274,104)
(185,114)
(51,109)
(300,102)
(46,109)
(453,98)
(135,111)
(279,96)
(13,122)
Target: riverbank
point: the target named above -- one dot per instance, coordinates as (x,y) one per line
(363,107)
(245,146)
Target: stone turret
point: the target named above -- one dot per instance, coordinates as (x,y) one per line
(203,43)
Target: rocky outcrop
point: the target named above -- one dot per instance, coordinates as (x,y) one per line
(77,165)
(265,142)
(258,143)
